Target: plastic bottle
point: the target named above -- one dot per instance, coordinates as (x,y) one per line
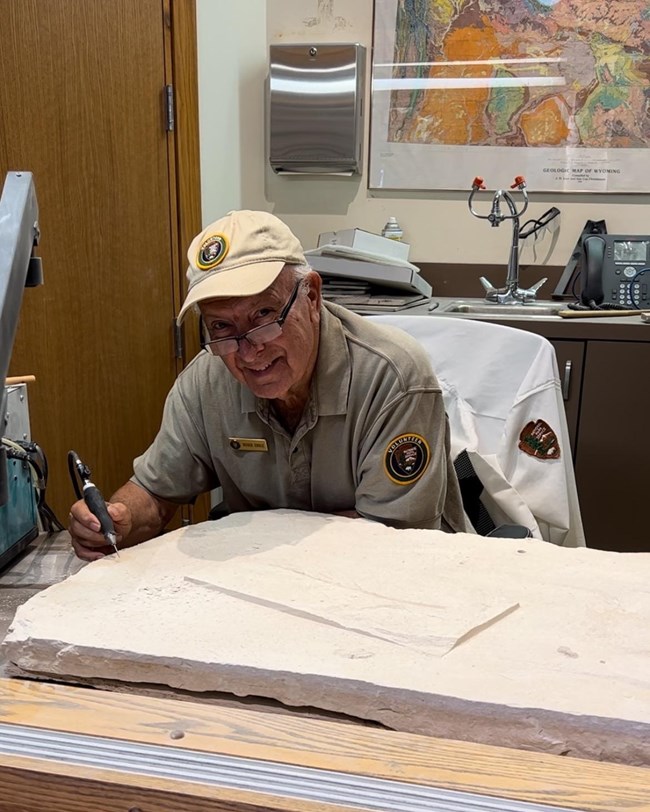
(392,230)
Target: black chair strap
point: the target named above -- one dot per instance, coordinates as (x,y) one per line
(471,489)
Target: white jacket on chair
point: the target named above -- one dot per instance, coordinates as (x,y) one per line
(502,394)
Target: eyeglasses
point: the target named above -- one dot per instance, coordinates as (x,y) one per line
(258,335)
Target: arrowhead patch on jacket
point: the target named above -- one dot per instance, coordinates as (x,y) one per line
(539,440)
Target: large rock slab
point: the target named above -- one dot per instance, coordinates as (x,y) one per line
(515,643)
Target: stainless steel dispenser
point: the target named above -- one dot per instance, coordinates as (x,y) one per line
(315,108)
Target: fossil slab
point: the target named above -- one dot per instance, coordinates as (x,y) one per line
(516,643)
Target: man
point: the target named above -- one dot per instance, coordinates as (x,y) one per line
(296,404)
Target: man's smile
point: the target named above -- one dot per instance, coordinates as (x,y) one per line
(260,369)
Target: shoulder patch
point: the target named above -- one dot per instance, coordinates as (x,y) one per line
(538,439)
(212,251)
(406,458)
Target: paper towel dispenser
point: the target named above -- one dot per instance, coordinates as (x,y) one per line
(315,108)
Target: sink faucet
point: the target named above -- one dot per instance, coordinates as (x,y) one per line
(511,293)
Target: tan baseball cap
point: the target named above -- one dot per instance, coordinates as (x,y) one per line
(239,255)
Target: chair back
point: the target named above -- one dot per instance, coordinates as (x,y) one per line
(503,397)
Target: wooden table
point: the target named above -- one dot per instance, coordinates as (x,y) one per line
(304,764)
(332,762)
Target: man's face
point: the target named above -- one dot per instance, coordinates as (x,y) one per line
(281,368)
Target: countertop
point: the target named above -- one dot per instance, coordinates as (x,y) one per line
(603,328)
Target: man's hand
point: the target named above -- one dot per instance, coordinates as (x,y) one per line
(88,541)
(137,515)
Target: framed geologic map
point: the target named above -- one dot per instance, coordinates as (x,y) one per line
(555,90)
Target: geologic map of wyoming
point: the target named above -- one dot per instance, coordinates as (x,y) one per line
(583,66)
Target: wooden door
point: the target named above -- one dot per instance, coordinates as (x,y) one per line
(82,107)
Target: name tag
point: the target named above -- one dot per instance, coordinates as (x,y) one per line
(248,444)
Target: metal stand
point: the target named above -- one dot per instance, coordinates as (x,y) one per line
(511,293)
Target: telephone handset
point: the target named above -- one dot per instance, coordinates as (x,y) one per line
(593,262)
(566,286)
(613,270)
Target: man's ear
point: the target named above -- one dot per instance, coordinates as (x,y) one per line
(315,287)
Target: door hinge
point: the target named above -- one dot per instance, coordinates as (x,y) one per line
(179,340)
(169,108)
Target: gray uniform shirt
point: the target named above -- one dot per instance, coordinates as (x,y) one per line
(373,437)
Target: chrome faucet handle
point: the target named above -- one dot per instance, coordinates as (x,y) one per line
(529,294)
(491,293)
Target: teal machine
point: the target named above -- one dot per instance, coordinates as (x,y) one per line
(19,516)
(19,268)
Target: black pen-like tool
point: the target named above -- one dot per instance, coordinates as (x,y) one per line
(92,496)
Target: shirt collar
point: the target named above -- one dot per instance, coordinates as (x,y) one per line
(332,380)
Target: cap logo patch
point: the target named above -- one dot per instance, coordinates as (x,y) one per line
(212,251)
(538,439)
(406,458)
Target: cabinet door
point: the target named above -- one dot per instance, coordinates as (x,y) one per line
(570,360)
(612,453)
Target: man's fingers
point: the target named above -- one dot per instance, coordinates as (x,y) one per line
(87,542)
(86,535)
(86,553)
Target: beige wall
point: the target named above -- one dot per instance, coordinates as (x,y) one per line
(233,67)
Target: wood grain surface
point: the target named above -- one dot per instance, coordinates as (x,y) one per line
(98,333)
(594,314)
(491,771)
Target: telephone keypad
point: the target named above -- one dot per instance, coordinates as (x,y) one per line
(628,294)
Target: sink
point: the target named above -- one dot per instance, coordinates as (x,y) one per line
(484,308)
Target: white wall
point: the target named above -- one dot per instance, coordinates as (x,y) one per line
(233,55)
(232,68)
